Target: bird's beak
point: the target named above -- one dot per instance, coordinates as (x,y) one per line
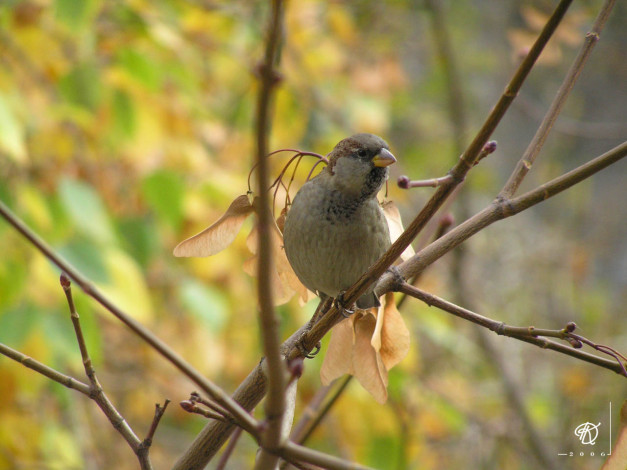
(383,158)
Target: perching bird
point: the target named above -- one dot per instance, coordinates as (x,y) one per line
(335,229)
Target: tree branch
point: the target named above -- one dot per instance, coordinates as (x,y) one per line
(499,210)
(26,361)
(536,144)
(457,173)
(527,334)
(163,349)
(269,322)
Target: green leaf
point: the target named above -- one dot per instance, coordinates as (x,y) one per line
(82,86)
(164,190)
(140,238)
(87,258)
(204,302)
(141,68)
(86,210)
(75,14)
(124,117)
(16,323)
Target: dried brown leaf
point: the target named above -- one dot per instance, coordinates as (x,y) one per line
(393,216)
(338,359)
(367,345)
(394,334)
(284,280)
(618,459)
(220,235)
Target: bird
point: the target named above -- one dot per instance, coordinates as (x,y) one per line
(335,228)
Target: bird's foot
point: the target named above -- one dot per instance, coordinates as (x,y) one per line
(340,304)
(398,277)
(303,351)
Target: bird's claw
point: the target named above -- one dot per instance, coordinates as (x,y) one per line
(308,354)
(341,306)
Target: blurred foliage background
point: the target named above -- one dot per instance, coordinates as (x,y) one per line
(126,126)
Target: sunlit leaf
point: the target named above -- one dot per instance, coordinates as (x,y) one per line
(221,234)
(126,286)
(86,210)
(82,86)
(140,67)
(74,14)
(206,302)
(11,132)
(164,192)
(124,117)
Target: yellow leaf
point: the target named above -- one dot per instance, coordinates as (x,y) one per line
(126,286)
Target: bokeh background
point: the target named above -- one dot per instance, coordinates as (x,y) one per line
(126,126)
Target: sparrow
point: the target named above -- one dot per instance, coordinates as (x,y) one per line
(335,228)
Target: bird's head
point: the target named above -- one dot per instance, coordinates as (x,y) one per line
(358,165)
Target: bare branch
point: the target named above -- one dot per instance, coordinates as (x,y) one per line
(206,385)
(527,334)
(458,173)
(499,210)
(536,144)
(275,365)
(26,361)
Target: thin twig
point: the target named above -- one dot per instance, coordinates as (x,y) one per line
(162,348)
(97,393)
(458,173)
(526,334)
(499,210)
(536,144)
(27,361)
(226,455)
(269,322)
(316,412)
(460,282)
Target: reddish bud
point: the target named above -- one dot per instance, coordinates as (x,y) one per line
(447,220)
(575,343)
(403,182)
(187,406)
(571,326)
(490,146)
(296,367)
(65,281)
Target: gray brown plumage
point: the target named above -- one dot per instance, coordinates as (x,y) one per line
(335,229)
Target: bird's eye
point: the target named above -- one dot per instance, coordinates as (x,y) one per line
(361,153)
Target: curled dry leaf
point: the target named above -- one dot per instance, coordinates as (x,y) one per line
(618,458)
(221,234)
(367,345)
(393,216)
(284,280)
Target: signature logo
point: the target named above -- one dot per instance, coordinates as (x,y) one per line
(587,433)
